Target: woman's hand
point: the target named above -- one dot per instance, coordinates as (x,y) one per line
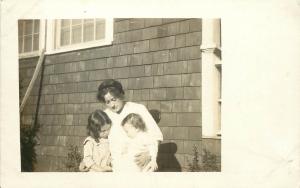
(83,168)
(107,169)
(142,159)
(98,168)
(151,166)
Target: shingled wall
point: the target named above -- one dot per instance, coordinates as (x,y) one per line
(158,61)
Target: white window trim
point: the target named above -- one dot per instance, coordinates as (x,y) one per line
(211,96)
(50,44)
(51,40)
(41,43)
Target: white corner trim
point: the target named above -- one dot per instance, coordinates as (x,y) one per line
(211,137)
(210,79)
(208,46)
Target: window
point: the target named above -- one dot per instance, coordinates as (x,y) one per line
(70,32)
(73,34)
(63,35)
(29,37)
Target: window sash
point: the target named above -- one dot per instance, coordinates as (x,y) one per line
(28,35)
(52,41)
(95,28)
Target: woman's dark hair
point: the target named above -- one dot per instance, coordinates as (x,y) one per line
(110,86)
(97,120)
(135,120)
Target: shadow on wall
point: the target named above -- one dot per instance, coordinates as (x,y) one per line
(156,115)
(166,159)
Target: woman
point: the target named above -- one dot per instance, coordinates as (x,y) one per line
(111,93)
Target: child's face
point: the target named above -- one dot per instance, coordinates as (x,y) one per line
(130,130)
(104,131)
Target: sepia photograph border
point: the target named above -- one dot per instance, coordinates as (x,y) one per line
(260,94)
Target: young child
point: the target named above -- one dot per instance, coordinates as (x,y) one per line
(96,148)
(140,141)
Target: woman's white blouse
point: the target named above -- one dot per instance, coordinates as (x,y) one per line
(118,140)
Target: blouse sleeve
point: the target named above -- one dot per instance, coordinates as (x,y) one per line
(88,154)
(151,125)
(153,149)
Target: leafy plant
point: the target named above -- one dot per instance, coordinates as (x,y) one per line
(28,143)
(209,162)
(194,166)
(74,158)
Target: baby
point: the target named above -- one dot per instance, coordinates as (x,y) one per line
(139,141)
(96,152)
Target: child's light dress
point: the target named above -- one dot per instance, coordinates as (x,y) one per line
(96,153)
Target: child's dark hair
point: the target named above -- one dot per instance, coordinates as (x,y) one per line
(135,120)
(96,120)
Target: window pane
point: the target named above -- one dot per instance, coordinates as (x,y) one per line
(28,27)
(20,27)
(88,21)
(65,23)
(76,22)
(100,30)
(28,43)
(77,31)
(20,44)
(88,32)
(76,34)
(36,26)
(100,20)
(65,37)
(36,42)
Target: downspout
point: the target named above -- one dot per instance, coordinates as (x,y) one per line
(41,85)
(35,74)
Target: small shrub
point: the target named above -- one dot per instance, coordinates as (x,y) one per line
(209,162)
(28,142)
(74,158)
(194,166)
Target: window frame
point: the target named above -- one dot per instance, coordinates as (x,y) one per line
(52,38)
(41,42)
(49,25)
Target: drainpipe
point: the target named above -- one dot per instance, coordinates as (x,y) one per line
(36,72)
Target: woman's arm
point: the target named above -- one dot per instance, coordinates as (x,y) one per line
(142,159)
(152,127)
(154,133)
(152,146)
